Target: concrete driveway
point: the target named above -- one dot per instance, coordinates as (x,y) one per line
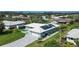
(29,38)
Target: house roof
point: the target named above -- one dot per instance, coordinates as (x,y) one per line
(59,19)
(38,28)
(11,23)
(63,20)
(74,33)
(35,25)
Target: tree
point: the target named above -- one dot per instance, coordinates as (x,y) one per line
(1,27)
(74,17)
(62,29)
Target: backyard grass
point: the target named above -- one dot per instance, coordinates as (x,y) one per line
(10,36)
(55,41)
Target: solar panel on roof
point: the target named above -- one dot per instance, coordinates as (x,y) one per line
(47,26)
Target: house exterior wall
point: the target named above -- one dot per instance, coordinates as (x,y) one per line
(44,34)
(10,27)
(35,34)
(41,33)
(14,26)
(49,32)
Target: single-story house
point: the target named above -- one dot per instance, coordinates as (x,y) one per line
(41,30)
(18,16)
(45,18)
(21,17)
(73,35)
(64,16)
(54,17)
(61,20)
(13,24)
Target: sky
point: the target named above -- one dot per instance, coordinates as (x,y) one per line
(39,5)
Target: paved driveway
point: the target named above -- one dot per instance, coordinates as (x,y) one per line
(29,38)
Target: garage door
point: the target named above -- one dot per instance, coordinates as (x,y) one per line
(34,34)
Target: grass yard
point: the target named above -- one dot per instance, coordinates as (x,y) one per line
(54,41)
(10,36)
(46,42)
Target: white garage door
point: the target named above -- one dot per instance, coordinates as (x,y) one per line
(34,34)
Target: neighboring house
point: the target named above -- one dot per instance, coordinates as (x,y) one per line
(13,24)
(64,16)
(53,16)
(41,30)
(21,16)
(44,17)
(63,20)
(18,16)
(73,35)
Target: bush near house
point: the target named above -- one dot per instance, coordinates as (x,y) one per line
(77,42)
(68,44)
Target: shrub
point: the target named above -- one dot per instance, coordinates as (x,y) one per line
(77,42)
(52,43)
(68,44)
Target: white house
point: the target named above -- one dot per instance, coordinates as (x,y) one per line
(55,17)
(41,30)
(21,16)
(18,16)
(44,17)
(13,24)
(73,35)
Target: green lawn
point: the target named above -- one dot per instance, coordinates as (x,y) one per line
(54,41)
(46,42)
(10,36)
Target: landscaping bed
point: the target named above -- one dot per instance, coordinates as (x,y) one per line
(10,36)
